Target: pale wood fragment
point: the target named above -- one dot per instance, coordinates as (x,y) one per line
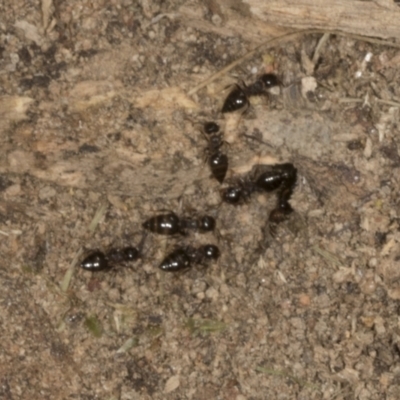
(359,17)
(14,108)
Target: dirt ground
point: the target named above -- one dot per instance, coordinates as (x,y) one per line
(100,128)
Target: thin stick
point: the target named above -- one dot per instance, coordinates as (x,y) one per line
(97,217)
(64,285)
(320,45)
(327,255)
(350,100)
(388,102)
(282,39)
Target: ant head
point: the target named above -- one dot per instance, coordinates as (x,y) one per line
(269,80)
(207,223)
(210,252)
(213,134)
(130,253)
(232,195)
(210,128)
(279,214)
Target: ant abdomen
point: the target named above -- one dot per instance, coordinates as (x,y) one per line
(236,100)
(218,163)
(95,261)
(163,224)
(178,260)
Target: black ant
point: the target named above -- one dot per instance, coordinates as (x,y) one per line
(98,261)
(266,178)
(238,97)
(283,208)
(183,257)
(217,160)
(171,224)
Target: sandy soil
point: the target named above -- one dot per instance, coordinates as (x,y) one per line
(99,132)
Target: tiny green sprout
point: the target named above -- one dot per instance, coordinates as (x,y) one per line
(197,326)
(94,326)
